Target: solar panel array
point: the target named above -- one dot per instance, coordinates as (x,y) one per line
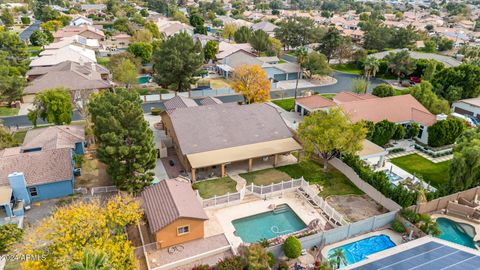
(428,256)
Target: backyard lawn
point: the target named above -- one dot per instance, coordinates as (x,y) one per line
(20,136)
(217,83)
(434,173)
(333,182)
(286,104)
(219,186)
(103,61)
(6,111)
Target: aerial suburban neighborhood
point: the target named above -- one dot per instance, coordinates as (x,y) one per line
(240,135)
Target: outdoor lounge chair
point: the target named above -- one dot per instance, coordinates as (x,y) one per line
(464,211)
(466,202)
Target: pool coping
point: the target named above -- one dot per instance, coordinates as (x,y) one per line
(475,226)
(221,218)
(394,237)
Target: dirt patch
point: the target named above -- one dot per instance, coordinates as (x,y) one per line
(356,207)
(94,174)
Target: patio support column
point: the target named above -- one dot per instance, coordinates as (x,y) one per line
(222,170)
(193,175)
(275,160)
(250,164)
(380,161)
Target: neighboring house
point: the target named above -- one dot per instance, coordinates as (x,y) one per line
(80,20)
(71,53)
(55,137)
(68,74)
(179,102)
(469,106)
(266,26)
(237,22)
(93,7)
(36,176)
(86,31)
(403,109)
(225,49)
(170,28)
(76,40)
(174,213)
(119,41)
(275,71)
(446,60)
(205,139)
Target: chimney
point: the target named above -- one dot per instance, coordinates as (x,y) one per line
(19,187)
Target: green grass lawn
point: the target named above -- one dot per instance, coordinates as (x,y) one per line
(265,177)
(20,136)
(103,61)
(286,104)
(433,173)
(219,186)
(333,182)
(348,68)
(6,111)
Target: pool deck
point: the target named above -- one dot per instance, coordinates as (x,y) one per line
(220,219)
(395,237)
(476,226)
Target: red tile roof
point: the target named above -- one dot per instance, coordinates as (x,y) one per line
(315,102)
(397,109)
(343,97)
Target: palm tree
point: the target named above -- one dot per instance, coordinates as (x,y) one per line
(301,56)
(91,261)
(371,68)
(337,258)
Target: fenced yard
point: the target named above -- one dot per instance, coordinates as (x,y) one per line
(215,187)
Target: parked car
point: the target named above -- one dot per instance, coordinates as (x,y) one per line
(415,79)
(467,119)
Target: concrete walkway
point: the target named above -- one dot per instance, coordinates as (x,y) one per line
(241,182)
(432,159)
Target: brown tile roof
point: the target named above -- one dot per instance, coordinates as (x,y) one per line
(170,200)
(343,97)
(54,137)
(179,102)
(69,31)
(212,127)
(315,102)
(70,75)
(397,109)
(38,167)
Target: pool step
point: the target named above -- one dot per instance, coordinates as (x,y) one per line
(281,209)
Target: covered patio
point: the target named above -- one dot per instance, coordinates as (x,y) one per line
(372,154)
(271,151)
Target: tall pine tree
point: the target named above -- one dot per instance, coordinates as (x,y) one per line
(125,142)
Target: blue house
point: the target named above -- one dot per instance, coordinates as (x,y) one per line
(55,137)
(34,176)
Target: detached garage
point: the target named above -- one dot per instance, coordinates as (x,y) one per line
(469,106)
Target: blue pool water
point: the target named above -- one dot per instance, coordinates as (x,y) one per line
(144,79)
(357,251)
(455,232)
(268,225)
(393,177)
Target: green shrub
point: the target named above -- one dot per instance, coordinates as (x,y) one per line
(271,259)
(231,263)
(282,265)
(410,215)
(398,226)
(156,111)
(78,159)
(383,90)
(292,247)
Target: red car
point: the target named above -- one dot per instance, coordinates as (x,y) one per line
(415,79)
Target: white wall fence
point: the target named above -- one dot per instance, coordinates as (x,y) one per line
(341,233)
(191,94)
(99,190)
(262,191)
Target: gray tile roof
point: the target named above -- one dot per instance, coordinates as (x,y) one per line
(179,102)
(210,101)
(54,137)
(212,127)
(170,200)
(38,167)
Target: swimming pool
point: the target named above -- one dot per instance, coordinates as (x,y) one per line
(393,177)
(144,79)
(267,225)
(456,232)
(359,250)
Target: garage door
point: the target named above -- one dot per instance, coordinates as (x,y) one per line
(462,111)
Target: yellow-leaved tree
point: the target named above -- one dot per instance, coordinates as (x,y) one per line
(62,239)
(251,81)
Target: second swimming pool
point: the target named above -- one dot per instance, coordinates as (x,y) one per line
(267,225)
(459,233)
(359,250)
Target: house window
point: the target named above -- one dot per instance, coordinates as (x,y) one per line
(33,191)
(183,230)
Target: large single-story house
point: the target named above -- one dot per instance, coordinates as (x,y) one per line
(84,30)
(215,136)
(469,106)
(76,40)
(170,28)
(275,71)
(71,75)
(403,109)
(225,49)
(70,52)
(265,26)
(80,20)
(174,213)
